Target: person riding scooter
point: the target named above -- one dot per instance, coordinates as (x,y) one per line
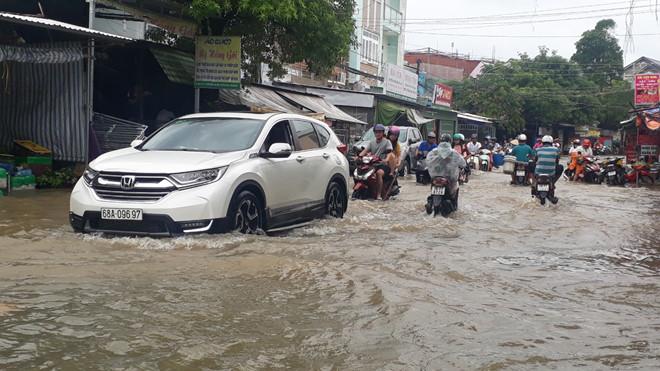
(547,170)
(523,153)
(473,146)
(445,162)
(421,171)
(382,148)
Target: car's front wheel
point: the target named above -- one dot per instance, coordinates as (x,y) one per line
(335,201)
(247,214)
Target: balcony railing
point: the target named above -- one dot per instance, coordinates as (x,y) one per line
(392,19)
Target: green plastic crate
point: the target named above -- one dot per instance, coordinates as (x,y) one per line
(33,160)
(23,182)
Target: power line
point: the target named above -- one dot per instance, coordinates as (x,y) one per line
(519,36)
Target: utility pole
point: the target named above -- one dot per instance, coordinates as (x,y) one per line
(90,79)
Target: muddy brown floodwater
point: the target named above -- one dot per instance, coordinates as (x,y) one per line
(504,284)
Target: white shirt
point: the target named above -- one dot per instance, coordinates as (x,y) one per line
(573,150)
(585,151)
(473,147)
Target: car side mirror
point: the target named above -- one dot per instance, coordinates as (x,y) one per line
(136,142)
(278,150)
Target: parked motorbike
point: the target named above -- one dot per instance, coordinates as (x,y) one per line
(441,201)
(614,172)
(592,171)
(422,172)
(484,160)
(522,173)
(544,189)
(639,173)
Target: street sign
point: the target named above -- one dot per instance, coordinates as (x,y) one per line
(218,62)
(647,89)
(443,95)
(400,82)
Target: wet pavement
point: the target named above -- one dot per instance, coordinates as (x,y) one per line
(504,284)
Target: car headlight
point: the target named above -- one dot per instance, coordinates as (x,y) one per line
(89,175)
(201,177)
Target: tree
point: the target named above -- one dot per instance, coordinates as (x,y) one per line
(276,32)
(599,54)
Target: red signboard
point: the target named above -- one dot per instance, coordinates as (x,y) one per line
(443,95)
(646,89)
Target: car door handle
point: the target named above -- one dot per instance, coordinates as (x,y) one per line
(326,156)
(300,159)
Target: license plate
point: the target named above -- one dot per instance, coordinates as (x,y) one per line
(520,173)
(121,214)
(438,191)
(611,173)
(543,187)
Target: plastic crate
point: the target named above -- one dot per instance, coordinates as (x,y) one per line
(19,183)
(38,164)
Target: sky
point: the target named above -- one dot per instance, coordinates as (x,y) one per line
(439,23)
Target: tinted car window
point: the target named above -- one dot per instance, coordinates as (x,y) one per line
(403,136)
(278,134)
(324,135)
(306,135)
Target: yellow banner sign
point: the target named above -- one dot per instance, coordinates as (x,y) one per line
(218,62)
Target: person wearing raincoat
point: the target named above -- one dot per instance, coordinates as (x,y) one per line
(447,163)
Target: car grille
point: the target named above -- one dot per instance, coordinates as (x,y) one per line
(145,188)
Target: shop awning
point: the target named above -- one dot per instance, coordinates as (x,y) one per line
(319,105)
(52,24)
(471,117)
(258,99)
(388,113)
(416,117)
(177,65)
(49,54)
(344,98)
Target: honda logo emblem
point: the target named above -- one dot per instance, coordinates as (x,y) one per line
(127,182)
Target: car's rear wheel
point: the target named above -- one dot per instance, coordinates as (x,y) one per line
(335,201)
(247,215)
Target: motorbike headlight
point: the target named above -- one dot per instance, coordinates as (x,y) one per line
(198,178)
(89,175)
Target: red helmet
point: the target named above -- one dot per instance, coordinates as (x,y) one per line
(395,130)
(586,143)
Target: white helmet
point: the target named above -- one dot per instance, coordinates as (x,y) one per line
(547,139)
(522,137)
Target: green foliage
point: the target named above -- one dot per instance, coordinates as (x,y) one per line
(599,54)
(547,90)
(57,179)
(276,32)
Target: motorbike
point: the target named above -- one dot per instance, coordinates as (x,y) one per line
(639,172)
(614,171)
(440,201)
(464,176)
(422,172)
(473,161)
(544,189)
(522,173)
(365,181)
(484,160)
(592,171)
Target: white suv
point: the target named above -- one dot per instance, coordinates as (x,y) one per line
(214,173)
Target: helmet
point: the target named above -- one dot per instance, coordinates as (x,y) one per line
(577,141)
(547,139)
(379,127)
(487,137)
(586,143)
(473,136)
(522,137)
(431,135)
(394,130)
(458,136)
(538,139)
(445,138)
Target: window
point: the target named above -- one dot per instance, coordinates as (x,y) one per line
(324,136)
(222,134)
(306,135)
(278,134)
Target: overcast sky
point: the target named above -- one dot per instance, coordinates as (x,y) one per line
(428,22)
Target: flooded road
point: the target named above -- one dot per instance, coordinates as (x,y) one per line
(504,284)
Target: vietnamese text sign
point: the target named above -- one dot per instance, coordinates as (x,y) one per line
(218,62)
(400,82)
(443,95)
(646,89)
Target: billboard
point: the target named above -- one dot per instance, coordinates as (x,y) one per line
(400,83)
(218,62)
(646,89)
(443,95)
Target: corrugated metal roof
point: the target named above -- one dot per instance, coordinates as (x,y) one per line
(471,117)
(52,24)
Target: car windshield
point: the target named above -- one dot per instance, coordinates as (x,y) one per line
(369,135)
(205,135)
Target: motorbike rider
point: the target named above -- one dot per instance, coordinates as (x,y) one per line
(574,147)
(445,162)
(426,146)
(586,148)
(382,148)
(523,153)
(473,146)
(547,159)
(459,144)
